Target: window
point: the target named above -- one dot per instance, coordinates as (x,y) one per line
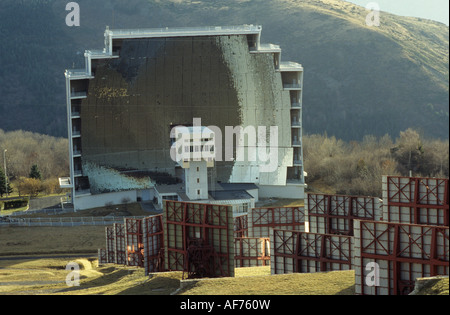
(198,169)
(198,180)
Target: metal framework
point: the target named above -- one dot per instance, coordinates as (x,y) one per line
(110,252)
(102,256)
(134,242)
(252,251)
(261,220)
(403,252)
(416,200)
(334,214)
(241,225)
(153,244)
(202,260)
(302,252)
(199,236)
(119,244)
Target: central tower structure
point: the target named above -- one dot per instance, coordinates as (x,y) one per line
(195,154)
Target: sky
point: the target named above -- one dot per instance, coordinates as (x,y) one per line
(436,10)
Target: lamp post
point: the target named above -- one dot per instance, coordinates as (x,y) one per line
(6,174)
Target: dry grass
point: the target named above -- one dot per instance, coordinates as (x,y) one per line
(258,281)
(438,286)
(51,240)
(37,276)
(48,276)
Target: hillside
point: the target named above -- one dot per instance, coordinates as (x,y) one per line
(372,80)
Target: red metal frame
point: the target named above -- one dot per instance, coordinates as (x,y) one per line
(428,251)
(188,223)
(119,244)
(241,226)
(134,242)
(263,219)
(102,256)
(110,252)
(339,210)
(303,252)
(245,246)
(201,260)
(417,192)
(153,244)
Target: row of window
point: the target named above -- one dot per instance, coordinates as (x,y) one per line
(199,148)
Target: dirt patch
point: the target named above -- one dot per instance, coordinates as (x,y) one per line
(51,240)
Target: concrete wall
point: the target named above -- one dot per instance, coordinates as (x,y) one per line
(196,179)
(95,201)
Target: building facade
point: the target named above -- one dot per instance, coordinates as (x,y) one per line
(123,105)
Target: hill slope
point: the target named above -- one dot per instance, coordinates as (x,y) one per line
(358,79)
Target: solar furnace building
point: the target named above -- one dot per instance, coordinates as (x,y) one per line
(124,104)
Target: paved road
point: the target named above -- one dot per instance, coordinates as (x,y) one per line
(45,202)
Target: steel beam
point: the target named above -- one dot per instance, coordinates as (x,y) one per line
(153,237)
(252,251)
(334,214)
(192,230)
(302,252)
(416,200)
(404,253)
(134,242)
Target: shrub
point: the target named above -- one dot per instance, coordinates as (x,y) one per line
(29,186)
(14,204)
